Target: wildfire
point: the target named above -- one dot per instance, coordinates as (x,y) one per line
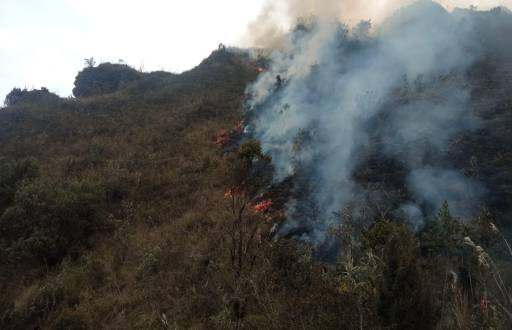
(224,135)
(263,206)
(233,191)
(222,138)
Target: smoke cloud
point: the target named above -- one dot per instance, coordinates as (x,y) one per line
(276,17)
(332,94)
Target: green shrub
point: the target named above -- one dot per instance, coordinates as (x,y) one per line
(251,151)
(12,174)
(403,298)
(45,220)
(443,235)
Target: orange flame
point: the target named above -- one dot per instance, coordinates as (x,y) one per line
(263,206)
(222,138)
(233,191)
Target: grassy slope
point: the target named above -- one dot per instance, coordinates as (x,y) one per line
(161,259)
(165,181)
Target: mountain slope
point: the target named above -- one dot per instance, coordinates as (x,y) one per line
(142,206)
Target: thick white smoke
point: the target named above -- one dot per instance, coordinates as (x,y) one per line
(343,90)
(267,29)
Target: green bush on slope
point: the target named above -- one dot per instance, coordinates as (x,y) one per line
(46,219)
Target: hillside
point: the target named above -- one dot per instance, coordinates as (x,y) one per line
(148,201)
(147,160)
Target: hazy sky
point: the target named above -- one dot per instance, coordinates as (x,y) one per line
(44,42)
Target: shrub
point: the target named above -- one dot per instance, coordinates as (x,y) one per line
(251,151)
(443,234)
(45,220)
(12,174)
(18,95)
(103,79)
(403,298)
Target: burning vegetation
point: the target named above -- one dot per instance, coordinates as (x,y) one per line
(367,185)
(224,137)
(263,206)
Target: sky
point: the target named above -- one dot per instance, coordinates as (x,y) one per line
(45,42)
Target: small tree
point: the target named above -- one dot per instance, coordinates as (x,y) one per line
(90,62)
(248,226)
(403,298)
(251,152)
(443,235)
(14,96)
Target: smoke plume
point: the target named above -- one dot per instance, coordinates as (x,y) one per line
(334,94)
(268,29)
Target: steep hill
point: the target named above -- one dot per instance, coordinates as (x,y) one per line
(140,163)
(146,203)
